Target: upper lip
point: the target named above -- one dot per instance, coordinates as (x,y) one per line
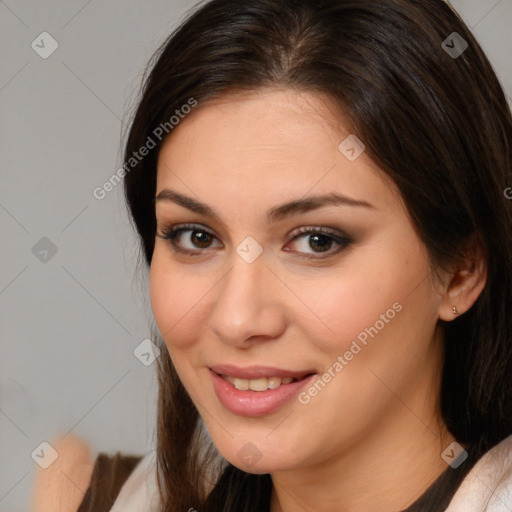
(258,372)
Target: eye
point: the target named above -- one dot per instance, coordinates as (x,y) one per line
(319,239)
(199,238)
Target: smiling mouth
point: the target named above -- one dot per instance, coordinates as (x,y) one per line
(257,390)
(260,384)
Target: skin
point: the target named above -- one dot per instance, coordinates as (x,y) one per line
(372,438)
(61,486)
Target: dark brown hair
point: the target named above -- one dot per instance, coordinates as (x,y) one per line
(438,126)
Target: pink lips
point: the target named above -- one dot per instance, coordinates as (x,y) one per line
(256,403)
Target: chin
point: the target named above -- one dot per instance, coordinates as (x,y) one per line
(260,459)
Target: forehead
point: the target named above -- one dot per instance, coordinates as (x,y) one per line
(266,122)
(273,144)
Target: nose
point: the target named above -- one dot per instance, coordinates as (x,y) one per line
(248,308)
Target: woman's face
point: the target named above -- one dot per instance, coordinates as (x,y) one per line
(245,291)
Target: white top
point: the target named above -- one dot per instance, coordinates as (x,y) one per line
(488,486)
(140,491)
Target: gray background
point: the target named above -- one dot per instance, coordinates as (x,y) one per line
(69,322)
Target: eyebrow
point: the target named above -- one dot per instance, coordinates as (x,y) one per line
(274,214)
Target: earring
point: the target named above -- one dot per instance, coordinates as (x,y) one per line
(455,311)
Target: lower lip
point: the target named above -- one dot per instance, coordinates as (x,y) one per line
(256,403)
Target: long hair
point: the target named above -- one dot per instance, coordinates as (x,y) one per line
(436,122)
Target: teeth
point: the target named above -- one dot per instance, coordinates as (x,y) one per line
(241,384)
(258,384)
(274,382)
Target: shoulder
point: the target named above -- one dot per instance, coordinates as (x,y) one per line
(78,482)
(489,483)
(109,476)
(140,491)
(61,486)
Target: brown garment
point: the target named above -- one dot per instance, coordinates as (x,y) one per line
(108,476)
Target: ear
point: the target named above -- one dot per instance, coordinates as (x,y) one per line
(464,283)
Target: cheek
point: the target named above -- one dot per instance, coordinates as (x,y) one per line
(384,319)
(346,303)
(385,297)
(174,301)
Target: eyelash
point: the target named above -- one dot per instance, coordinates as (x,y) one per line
(170,233)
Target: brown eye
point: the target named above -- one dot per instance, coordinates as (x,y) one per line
(188,238)
(201,239)
(319,240)
(193,239)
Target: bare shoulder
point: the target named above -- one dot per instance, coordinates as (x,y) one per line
(61,487)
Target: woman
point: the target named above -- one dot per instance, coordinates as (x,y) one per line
(318,187)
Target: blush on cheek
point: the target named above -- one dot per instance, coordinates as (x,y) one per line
(360,321)
(176,313)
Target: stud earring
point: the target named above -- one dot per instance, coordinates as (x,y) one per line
(455,311)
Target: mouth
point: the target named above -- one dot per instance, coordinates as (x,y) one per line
(259,378)
(261,384)
(257,390)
